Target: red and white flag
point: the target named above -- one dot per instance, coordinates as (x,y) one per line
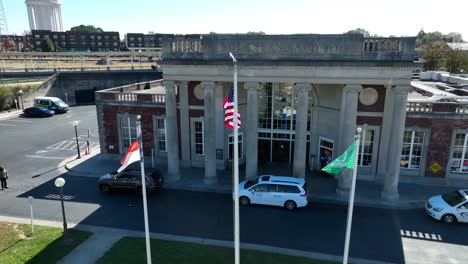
(228,105)
(132,155)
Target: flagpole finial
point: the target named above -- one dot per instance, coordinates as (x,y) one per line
(232,56)
(359,130)
(138,117)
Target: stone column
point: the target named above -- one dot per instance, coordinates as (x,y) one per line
(300,142)
(184,123)
(347,128)
(390,187)
(251,130)
(60,26)
(220,137)
(385,133)
(172,135)
(209,132)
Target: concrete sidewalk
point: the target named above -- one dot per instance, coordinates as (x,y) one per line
(320,188)
(103,238)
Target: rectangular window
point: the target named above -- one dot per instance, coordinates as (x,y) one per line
(161,134)
(412,149)
(199,140)
(240,146)
(128,132)
(366,147)
(459,162)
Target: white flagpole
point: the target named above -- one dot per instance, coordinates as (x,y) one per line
(236,171)
(351,198)
(143,189)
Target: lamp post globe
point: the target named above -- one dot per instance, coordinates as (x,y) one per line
(59,182)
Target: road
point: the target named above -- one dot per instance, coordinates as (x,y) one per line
(396,236)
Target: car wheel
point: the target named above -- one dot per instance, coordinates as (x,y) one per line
(449,218)
(290,205)
(104,188)
(244,201)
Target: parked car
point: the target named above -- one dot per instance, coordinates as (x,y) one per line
(38,111)
(450,207)
(130,180)
(288,192)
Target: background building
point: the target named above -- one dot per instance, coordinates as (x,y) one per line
(78,41)
(45,15)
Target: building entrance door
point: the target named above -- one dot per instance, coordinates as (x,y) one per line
(281,151)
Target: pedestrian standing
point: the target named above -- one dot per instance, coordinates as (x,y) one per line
(3,177)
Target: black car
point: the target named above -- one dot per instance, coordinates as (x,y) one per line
(38,111)
(130,180)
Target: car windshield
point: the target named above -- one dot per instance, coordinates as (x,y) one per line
(453,198)
(249,184)
(60,103)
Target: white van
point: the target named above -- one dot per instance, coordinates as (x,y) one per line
(52,103)
(288,192)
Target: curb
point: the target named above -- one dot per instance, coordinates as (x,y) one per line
(196,240)
(14,113)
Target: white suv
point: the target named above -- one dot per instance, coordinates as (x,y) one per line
(289,192)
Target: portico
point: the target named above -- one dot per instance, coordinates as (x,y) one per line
(299,99)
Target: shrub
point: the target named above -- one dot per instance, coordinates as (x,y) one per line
(6,98)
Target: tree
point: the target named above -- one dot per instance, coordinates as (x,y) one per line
(439,56)
(86,29)
(359,31)
(256,33)
(455,36)
(47,45)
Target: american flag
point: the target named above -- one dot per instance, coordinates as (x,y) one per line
(228,105)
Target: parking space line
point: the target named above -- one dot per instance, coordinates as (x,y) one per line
(14,120)
(59,146)
(31,156)
(68,145)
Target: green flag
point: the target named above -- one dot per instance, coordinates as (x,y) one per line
(346,160)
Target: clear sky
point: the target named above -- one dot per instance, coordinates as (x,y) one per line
(396,17)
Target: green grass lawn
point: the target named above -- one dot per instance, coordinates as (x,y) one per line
(18,245)
(132,250)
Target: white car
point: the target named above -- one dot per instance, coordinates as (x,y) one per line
(288,192)
(450,207)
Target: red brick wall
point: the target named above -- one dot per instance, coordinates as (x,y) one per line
(378,106)
(370,120)
(110,123)
(191,97)
(440,140)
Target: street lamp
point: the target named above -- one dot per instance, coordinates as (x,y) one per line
(20,93)
(139,51)
(59,182)
(75,124)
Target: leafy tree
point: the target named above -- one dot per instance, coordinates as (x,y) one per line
(455,36)
(439,56)
(256,33)
(47,45)
(359,31)
(86,29)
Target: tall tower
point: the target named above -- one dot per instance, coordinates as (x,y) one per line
(3,21)
(45,14)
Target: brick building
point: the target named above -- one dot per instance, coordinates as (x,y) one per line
(140,41)
(301,99)
(78,41)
